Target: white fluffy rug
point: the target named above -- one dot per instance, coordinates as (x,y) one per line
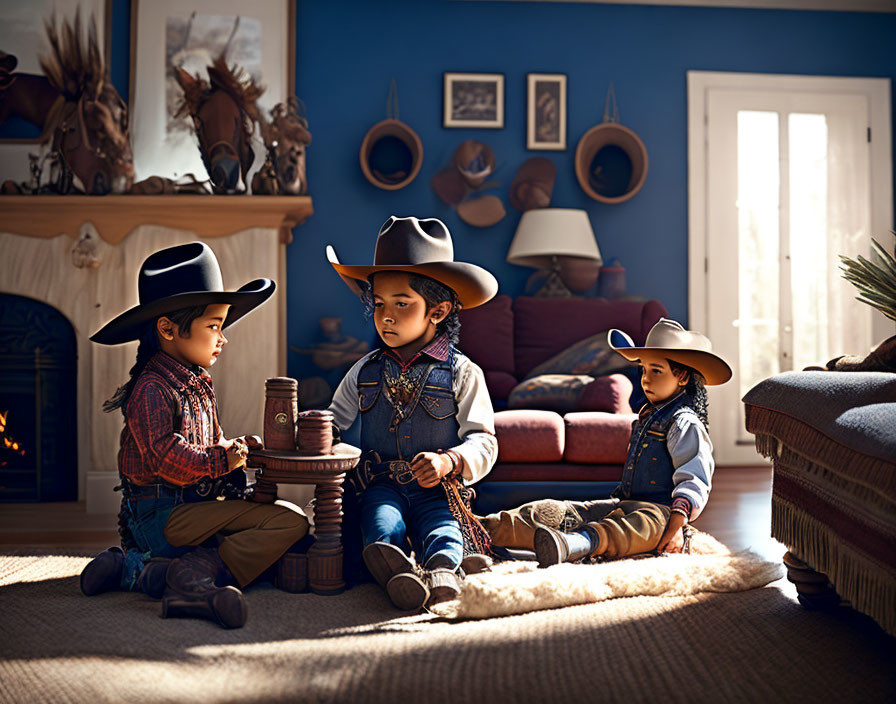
(520,587)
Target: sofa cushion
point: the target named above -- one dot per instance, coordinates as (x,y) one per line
(599,438)
(529,436)
(499,384)
(542,327)
(592,356)
(568,392)
(486,335)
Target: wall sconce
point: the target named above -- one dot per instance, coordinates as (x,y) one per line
(85,253)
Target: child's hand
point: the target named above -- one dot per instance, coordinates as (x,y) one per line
(237,452)
(430,467)
(673,539)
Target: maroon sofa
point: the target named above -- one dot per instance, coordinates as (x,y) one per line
(578,455)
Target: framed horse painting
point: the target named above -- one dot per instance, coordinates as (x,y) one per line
(172,49)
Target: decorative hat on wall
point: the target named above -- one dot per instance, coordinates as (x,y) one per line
(391,152)
(533,184)
(459,184)
(611,160)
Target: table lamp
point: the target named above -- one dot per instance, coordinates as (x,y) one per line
(561,241)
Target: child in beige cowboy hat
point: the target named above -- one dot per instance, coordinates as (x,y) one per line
(427,425)
(667,474)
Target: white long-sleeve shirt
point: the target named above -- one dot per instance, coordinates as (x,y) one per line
(475,417)
(689,445)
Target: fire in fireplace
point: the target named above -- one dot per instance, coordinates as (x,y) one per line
(38,369)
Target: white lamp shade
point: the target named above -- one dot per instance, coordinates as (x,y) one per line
(545,233)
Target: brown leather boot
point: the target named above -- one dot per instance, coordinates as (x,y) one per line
(191,591)
(103,573)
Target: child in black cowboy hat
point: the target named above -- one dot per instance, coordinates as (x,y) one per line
(426,416)
(174,460)
(667,475)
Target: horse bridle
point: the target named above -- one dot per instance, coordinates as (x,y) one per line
(240,125)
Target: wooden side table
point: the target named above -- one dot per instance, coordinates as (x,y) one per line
(327,473)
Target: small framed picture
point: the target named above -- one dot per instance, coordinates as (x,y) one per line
(546,103)
(474,100)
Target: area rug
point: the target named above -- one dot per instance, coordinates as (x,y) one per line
(760,645)
(519,587)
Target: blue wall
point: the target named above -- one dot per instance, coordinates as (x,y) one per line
(347,52)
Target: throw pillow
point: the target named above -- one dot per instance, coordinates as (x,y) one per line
(549,392)
(592,356)
(572,392)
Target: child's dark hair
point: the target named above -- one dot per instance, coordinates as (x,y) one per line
(433,293)
(695,389)
(149,344)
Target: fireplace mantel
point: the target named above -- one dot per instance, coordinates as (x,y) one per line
(115,217)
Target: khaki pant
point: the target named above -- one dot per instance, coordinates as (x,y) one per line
(252,536)
(625,527)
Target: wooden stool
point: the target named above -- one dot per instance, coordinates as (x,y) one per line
(327,473)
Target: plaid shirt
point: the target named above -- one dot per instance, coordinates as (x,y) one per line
(171,426)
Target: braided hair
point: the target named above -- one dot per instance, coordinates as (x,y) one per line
(695,390)
(433,292)
(149,344)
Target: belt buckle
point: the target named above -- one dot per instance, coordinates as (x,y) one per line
(401,471)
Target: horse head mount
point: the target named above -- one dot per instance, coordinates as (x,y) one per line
(224,113)
(285,137)
(88,120)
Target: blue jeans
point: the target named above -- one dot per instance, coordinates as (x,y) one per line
(393,513)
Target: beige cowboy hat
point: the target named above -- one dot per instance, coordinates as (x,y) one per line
(391,155)
(420,246)
(533,184)
(670,340)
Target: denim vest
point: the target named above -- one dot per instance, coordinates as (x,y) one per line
(428,422)
(648,471)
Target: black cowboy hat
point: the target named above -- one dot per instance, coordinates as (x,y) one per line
(421,247)
(181,277)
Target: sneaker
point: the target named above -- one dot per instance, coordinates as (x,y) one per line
(385,560)
(407,591)
(444,585)
(553,547)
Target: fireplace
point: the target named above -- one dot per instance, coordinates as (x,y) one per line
(38,370)
(86,276)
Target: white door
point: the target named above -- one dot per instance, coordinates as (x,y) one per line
(788,188)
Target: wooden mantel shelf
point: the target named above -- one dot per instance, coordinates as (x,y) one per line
(116,216)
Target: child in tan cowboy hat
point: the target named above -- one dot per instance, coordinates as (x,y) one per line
(667,475)
(426,416)
(175,461)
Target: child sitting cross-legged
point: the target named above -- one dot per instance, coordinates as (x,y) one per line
(668,471)
(426,417)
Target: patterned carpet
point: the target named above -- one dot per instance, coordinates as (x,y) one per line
(754,646)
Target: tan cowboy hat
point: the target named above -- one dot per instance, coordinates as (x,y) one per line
(483,211)
(670,340)
(420,246)
(391,155)
(611,163)
(533,184)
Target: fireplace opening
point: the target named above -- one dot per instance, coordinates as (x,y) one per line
(38,395)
